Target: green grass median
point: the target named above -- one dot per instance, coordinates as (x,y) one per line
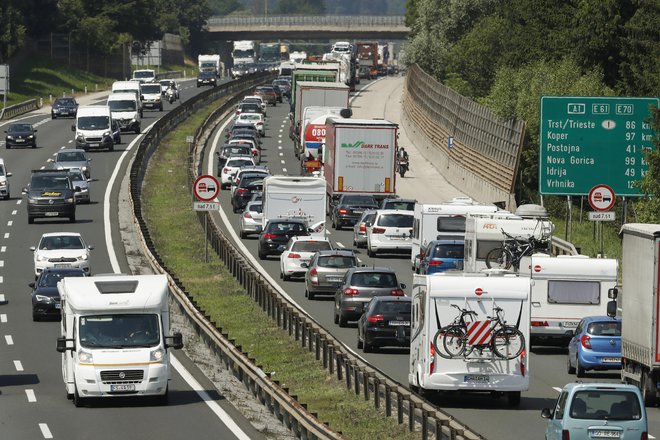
(178,236)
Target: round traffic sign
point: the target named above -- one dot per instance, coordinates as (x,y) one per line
(601,197)
(206,188)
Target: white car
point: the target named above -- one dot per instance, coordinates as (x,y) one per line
(251,219)
(300,250)
(4,181)
(256,151)
(232,166)
(256,119)
(259,99)
(61,249)
(391,231)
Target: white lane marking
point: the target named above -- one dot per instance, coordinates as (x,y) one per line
(281,130)
(279,147)
(340,245)
(281,154)
(217,409)
(6,234)
(2,298)
(2,263)
(283,162)
(71,141)
(557,389)
(284,170)
(18,365)
(30,396)
(3,249)
(279,141)
(2,279)
(43,167)
(279,135)
(19,202)
(10,222)
(651,437)
(9,340)
(14,212)
(45,431)
(3,317)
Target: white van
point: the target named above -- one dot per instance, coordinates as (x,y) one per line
(443,221)
(144,76)
(115,336)
(125,109)
(566,289)
(129,87)
(93,128)
(436,303)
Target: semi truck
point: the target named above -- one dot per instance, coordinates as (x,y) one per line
(312,72)
(312,129)
(295,197)
(359,157)
(114,337)
(210,63)
(366,53)
(269,52)
(244,52)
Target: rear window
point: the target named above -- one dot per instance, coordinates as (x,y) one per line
(374,279)
(448,251)
(254,207)
(451,224)
(239,162)
(396,220)
(337,261)
(605,405)
(286,227)
(311,246)
(402,206)
(605,328)
(573,292)
(394,307)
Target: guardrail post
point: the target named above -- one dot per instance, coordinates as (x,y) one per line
(317,346)
(388,400)
(365,383)
(376,392)
(399,407)
(411,415)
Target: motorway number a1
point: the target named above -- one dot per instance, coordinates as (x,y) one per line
(206,206)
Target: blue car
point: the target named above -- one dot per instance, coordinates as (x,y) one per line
(441,255)
(596,345)
(588,411)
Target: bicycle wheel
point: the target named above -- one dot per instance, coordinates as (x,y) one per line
(498,258)
(438,343)
(508,342)
(455,341)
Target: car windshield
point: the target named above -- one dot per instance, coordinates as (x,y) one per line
(122,106)
(448,251)
(119,331)
(374,279)
(61,242)
(311,246)
(396,220)
(286,227)
(76,176)
(605,328)
(605,405)
(254,207)
(403,206)
(393,307)
(358,200)
(337,261)
(49,183)
(235,150)
(93,122)
(65,101)
(71,156)
(151,88)
(17,128)
(2,170)
(51,278)
(143,74)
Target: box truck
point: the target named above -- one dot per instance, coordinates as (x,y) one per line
(114,337)
(210,63)
(359,157)
(565,289)
(483,361)
(311,72)
(295,197)
(244,52)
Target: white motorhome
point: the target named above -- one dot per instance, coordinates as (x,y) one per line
(114,336)
(443,221)
(483,232)
(566,289)
(93,128)
(129,87)
(434,298)
(295,197)
(125,109)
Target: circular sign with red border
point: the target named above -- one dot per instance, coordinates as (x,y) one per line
(602,198)
(206,188)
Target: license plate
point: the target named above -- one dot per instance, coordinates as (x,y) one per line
(94,145)
(570,324)
(358,211)
(398,323)
(616,360)
(334,279)
(58,306)
(127,387)
(62,265)
(51,214)
(602,433)
(20,140)
(476,378)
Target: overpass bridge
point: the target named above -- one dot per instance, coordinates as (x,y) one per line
(304,27)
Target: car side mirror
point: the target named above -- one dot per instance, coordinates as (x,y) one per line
(77,189)
(259,229)
(8,174)
(32,284)
(90,247)
(50,160)
(73,128)
(546,413)
(176,341)
(611,309)
(32,248)
(403,286)
(35,130)
(304,265)
(24,191)
(62,344)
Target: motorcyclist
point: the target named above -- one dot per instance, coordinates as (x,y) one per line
(170,92)
(403,155)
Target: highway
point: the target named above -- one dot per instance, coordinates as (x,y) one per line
(491,417)
(33,402)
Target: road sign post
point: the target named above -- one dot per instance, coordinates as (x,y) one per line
(206,188)
(602,199)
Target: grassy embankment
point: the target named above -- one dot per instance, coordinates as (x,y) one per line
(178,235)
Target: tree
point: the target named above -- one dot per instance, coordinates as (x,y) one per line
(12,29)
(648,207)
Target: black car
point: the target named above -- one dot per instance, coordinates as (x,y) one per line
(385,322)
(64,107)
(51,194)
(243,128)
(231,150)
(277,233)
(349,208)
(45,297)
(284,85)
(207,79)
(249,184)
(278,92)
(20,134)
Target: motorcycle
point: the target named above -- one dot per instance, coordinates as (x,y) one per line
(170,94)
(402,165)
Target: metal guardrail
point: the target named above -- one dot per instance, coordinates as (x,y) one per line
(559,246)
(173,74)
(18,109)
(308,20)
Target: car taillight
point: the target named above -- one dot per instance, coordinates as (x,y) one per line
(313,272)
(586,341)
(432,366)
(349,291)
(268,235)
(375,318)
(435,263)
(421,254)
(293,255)
(226,170)
(377,230)
(247,215)
(343,211)
(241,190)
(539,323)
(396,292)
(565,435)
(523,356)
(645,436)
(363,228)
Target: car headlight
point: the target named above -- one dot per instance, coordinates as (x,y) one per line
(3,183)
(80,137)
(107,133)
(43,298)
(69,200)
(10,138)
(83,257)
(31,136)
(41,257)
(157,355)
(85,357)
(84,168)
(32,201)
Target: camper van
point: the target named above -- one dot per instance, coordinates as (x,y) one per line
(566,289)
(443,221)
(438,301)
(114,339)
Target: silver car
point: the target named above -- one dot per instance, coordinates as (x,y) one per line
(326,270)
(251,219)
(360,228)
(72,158)
(79,181)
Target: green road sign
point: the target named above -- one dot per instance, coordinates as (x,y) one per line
(587,141)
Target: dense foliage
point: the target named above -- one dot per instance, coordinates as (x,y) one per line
(508,53)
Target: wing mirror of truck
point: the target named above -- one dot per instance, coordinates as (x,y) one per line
(176,341)
(611,309)
(73,128)
(613,293)
(62,344)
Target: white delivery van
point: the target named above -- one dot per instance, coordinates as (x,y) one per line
(566,289)
(152,96)
(93,128)
(125,109)
(114,339)
(144,76)
(295,197)
(483,233)
(437,300)
(442,221)
(129,87)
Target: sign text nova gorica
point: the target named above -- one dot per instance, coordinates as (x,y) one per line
(586,141)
